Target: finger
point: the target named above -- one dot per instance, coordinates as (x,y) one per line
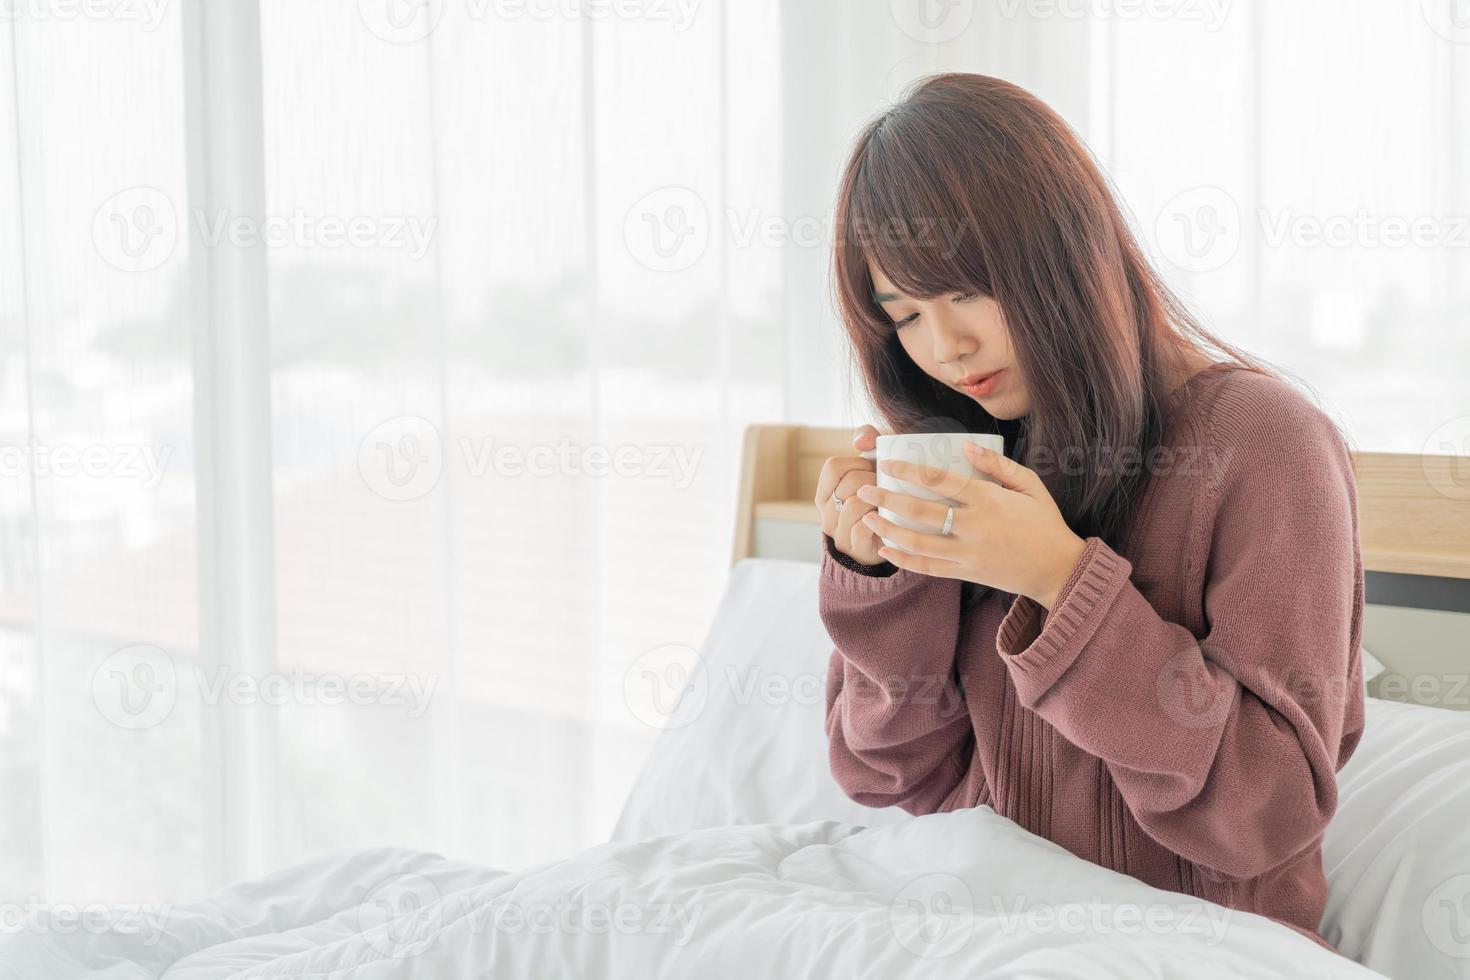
(827,501)
(850,514)
(852,507)
(852,482)
(844,501)
(865,439)
(830,514)
(915,542)
(936,479)
(832,473)
(864,537)
(922,564)
(930,512)
(1004,470)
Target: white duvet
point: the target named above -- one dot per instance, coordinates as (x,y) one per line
(962,894)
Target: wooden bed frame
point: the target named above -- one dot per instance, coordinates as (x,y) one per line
(1413,523)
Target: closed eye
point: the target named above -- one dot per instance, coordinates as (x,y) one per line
(957,298)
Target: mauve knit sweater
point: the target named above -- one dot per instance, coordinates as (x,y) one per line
(1181,712)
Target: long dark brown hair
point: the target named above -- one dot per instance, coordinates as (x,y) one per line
(972,184)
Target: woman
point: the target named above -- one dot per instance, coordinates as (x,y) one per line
(1141,641)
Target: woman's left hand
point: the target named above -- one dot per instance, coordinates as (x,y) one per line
(1008,535)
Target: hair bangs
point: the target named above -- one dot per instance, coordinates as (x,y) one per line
(916,230)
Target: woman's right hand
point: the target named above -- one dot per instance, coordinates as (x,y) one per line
(843,475)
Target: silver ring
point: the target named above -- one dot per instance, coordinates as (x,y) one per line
(948,521)
(837,500)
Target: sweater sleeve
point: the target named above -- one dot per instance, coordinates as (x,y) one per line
(898,730)
(1225,748)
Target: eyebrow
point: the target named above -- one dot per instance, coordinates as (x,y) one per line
(885,297)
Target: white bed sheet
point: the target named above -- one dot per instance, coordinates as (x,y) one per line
(954,894)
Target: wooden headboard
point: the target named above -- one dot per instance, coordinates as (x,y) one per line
(1413,523)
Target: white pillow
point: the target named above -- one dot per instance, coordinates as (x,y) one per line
(1372,666)
(748,740)
(1397,852)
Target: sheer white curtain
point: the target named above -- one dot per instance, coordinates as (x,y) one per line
(407,358)
(1300,170)
(373,373)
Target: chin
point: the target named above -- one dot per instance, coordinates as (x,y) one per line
(1003,410)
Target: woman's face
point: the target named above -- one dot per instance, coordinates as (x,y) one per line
(954,338)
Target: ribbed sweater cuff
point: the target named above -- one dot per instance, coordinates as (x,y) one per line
(1037,655)
(847,573)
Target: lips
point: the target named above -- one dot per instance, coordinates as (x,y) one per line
(984,387)
(971,380)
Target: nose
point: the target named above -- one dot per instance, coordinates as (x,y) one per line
(951,341)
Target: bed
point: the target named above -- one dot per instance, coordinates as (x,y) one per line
(736,855)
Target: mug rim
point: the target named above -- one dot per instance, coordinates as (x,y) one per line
(910,435)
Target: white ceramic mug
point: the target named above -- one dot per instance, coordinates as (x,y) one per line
(943,450)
